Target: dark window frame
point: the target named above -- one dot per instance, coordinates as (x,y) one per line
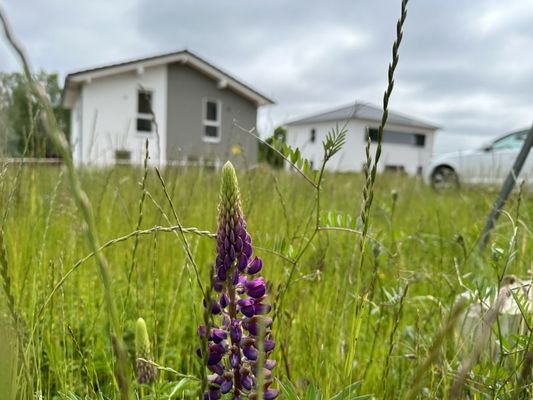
(209,124)
(145,118)
(402,138)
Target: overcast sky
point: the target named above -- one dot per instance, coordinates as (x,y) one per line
(466,66)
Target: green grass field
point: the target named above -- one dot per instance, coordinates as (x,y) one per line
(337,324)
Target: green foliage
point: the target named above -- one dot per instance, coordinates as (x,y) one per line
(334,142)
(21,129)
(266,150)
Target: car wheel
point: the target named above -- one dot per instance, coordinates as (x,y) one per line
(444,178)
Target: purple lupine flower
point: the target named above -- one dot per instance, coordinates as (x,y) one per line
(233,342)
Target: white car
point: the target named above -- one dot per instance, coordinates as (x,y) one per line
(488,165)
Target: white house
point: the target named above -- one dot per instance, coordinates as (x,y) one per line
(185,106)
(407,142)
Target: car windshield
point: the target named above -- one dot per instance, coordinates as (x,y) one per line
(511,142)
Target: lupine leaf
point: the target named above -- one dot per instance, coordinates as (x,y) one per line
(306,166)
(286,149)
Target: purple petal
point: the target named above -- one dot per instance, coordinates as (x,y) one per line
(255,266)
(226,243)
(252,325)
(217,368)
(271,394)
(201,331)
(217,348)
(246,306)
(260,309)
(270,364)
(246,382)
(269,345)
(232,237)
(214,358)
(215,379)
(234,359)
(232,254)
(243,261)
(235,277)
(215,308)
(227,262)
(221,274)
(214,394)
(247,249)
(250,352)
(238,244)
(224,300)
(226,386)
(256,288)
(218,335)
(236,331)
(225,321)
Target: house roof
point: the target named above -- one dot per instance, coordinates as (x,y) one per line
(75,79)
(362,111)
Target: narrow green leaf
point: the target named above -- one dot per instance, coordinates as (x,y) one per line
(286,149)
(306,167)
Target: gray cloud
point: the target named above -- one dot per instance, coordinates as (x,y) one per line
(463,65)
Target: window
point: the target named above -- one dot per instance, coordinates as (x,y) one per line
(395,137)
(211,120)
(511,142)
(420,140)
(394,168)
(144,111)
(313,135)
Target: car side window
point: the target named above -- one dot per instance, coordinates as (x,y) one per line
(511,142)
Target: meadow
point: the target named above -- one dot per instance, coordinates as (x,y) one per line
(373,330)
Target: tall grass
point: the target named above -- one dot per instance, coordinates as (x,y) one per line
(71,354)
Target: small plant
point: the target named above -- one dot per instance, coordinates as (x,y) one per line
(146,370)
(234,345)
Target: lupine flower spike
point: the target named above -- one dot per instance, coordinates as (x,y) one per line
(146,372)
(239,306)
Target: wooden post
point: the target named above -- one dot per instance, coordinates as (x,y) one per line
(507,187)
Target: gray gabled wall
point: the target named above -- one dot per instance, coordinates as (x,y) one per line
(187,89)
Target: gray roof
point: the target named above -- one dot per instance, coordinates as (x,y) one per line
(362,111)
(74,79)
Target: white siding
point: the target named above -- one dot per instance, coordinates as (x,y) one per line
(352,157)
(108,118)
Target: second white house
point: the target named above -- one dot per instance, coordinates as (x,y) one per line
(407,142)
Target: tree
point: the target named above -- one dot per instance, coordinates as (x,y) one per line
(266,154)
(21,129)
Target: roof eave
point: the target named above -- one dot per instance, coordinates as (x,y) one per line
(185,57)
(306,121)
